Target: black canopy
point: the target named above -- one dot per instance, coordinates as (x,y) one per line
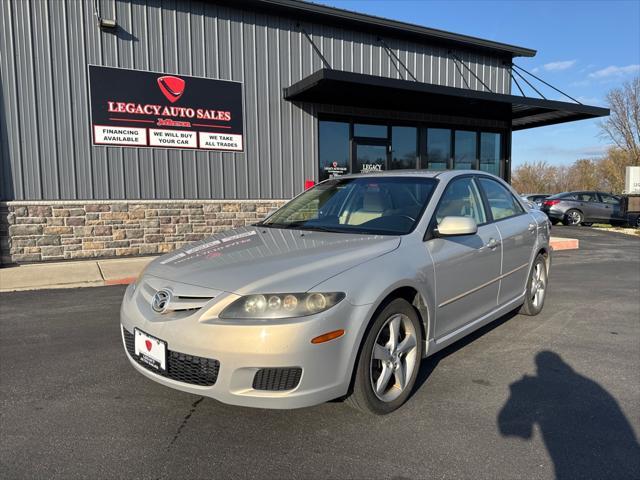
(338,87)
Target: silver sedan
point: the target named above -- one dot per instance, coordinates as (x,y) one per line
(339,293)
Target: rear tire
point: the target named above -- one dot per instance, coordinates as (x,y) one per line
(386,369)
(573,217)
(536,288)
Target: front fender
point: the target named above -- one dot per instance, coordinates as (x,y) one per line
(371,283)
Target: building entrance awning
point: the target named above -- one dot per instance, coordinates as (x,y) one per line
(337,87)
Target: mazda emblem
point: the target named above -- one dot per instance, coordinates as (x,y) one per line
(161,301)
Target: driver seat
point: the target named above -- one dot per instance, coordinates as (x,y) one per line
(374,204)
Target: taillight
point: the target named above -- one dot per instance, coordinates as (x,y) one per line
(550,203)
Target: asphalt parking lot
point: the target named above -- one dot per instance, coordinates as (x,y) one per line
(554,396)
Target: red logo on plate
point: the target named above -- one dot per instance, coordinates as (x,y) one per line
(148,344)
(171,87)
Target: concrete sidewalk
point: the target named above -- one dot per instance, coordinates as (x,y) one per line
(85,273)
(92,273)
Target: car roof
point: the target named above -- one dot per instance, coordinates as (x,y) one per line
(445,174)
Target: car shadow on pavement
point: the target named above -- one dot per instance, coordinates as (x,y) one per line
(583,428)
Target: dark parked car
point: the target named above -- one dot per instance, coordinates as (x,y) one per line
(584,208)
(535,198)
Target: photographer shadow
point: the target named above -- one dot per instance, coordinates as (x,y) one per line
(583,428)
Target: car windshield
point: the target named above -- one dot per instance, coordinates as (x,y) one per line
(383,205)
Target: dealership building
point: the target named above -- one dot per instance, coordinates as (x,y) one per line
(132,127)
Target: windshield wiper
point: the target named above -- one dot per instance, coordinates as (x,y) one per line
(321,228)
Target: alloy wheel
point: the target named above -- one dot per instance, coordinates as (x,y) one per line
(538,285)
(574,217)
(394,357)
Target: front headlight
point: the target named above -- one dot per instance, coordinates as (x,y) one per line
(281,305)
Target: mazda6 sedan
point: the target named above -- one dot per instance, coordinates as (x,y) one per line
(340,293)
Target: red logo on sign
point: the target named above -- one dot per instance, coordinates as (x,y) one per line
(171,87)
(335,164)
(148,344)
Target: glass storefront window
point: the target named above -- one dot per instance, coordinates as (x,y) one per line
(438,148)
(346,147)
(464,150)
(372,131)
(334,149)
(404,144)
(490,152)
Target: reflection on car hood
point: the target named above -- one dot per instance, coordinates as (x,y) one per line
(268,260)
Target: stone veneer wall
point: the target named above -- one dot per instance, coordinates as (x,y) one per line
(41,231)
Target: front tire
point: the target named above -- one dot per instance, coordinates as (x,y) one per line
(389,360)
(536,288)
(573,217)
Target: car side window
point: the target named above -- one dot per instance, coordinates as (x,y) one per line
(610,199)
(571,196)
(502,203)
(461,199)
(587,197)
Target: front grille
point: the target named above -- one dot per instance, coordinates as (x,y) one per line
(277,378)
(180,366)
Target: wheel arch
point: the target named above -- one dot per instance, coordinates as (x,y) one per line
(407,292)
(546,253)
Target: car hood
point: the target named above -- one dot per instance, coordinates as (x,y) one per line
(267,260)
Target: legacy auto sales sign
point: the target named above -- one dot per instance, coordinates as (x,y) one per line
(145,109)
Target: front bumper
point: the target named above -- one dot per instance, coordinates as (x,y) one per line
(244,348)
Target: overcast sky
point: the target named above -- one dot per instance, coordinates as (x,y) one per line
(585,48)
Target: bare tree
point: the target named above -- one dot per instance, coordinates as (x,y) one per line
(612,170)
(584,175)
(606,174)
(533,177)
(623,124)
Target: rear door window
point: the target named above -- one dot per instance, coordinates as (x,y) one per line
(610,199)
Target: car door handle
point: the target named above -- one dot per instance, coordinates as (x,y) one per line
(492,243)
(532,227)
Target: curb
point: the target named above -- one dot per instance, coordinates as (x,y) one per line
(88,273)
(559,244)
(120,281)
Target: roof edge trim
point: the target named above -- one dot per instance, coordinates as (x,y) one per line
(396,27)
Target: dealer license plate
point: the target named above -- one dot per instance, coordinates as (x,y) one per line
(151,350)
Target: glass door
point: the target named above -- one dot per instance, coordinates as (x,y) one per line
(369,156)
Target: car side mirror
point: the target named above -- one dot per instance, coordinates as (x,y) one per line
(450,226)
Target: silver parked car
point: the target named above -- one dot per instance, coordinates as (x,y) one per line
(341,292)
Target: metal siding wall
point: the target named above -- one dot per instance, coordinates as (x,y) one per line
(46,150)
